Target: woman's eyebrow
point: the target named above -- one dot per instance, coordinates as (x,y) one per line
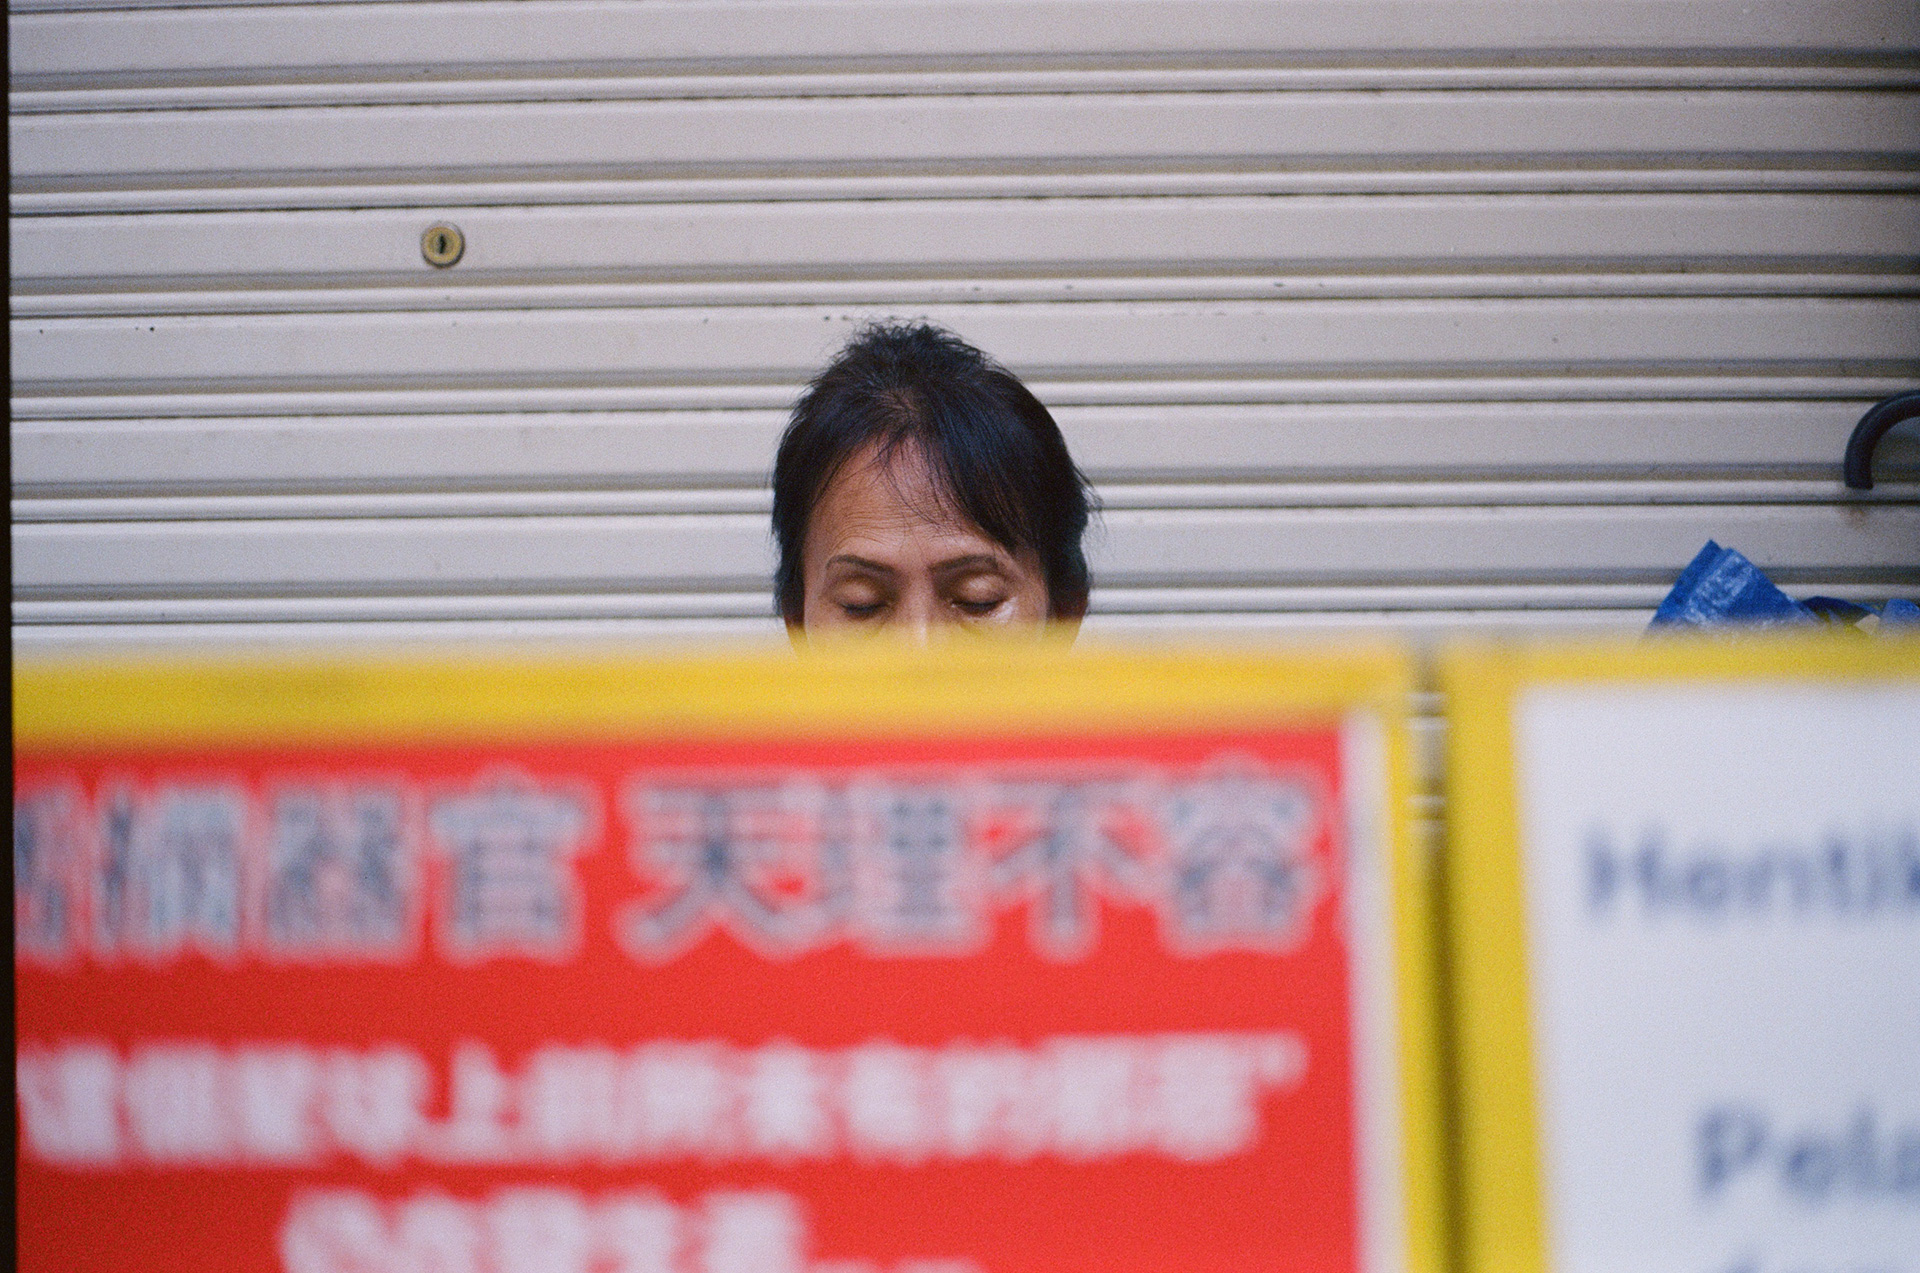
(970,561)
(862,563)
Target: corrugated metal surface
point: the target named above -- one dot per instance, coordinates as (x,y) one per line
(1416,314)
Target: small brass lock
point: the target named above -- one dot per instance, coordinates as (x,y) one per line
(442,244)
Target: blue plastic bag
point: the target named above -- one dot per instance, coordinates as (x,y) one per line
(1900,613)
(1721,587)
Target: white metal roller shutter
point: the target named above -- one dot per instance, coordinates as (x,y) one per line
(1419,314)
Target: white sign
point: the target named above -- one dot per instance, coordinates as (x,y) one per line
(1723,916)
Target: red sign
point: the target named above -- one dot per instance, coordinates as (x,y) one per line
(997,1005)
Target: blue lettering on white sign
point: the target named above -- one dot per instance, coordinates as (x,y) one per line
(1866,874)
(1864,1159)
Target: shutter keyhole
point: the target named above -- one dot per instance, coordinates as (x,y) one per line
(442,245)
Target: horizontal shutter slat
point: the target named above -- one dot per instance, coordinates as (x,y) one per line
(288,39)
(1134,548)
(1065,237)
(1042,340)
(582,139)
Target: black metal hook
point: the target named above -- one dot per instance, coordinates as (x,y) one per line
(1857,468)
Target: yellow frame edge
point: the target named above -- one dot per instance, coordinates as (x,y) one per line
(768,693)
(1502,1217)
(1418,1004)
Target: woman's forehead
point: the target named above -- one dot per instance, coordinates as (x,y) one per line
(894,486)
(893,510)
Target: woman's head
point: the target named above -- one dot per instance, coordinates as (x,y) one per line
(920,483)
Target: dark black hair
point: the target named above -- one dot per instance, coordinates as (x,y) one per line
(991,446)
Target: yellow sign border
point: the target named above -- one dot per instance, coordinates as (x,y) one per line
(878,691)
(1501,1206)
